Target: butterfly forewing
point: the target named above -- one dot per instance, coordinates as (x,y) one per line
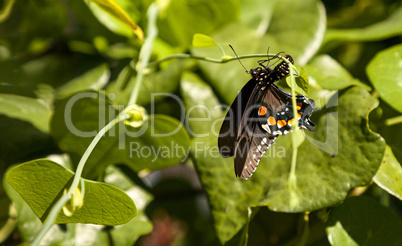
(231,123)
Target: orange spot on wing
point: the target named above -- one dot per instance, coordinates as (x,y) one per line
(298,115)
(298,107)
(290,122)
(271,121)
(262,111)
(281,123)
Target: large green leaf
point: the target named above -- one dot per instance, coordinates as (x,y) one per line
(389,175)
(28,224)
(200,104)
(94,79)
(363,221)
(42,182)
(385,74)
(160,142)
(296,28)
(392,26)
(27,109)
(329,164)
(200,17)
(329,74)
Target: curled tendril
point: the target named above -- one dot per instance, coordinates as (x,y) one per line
(135,115)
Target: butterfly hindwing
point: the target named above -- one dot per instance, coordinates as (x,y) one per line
(251,146)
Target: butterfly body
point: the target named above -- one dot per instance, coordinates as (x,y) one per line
(259,114)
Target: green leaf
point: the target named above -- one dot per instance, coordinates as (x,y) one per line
(267,225)
(327,73)
(164,143)
(42,182)
(391,133)
(296,28)
(330,153)
(117,19)
(200,17)
(304,80)
(27,109)
(301,85)
(363,221)
(140,225)
(28,224)
(392,26)
(385,74)
(201,40)
(94,79)
(389,175)
(160,142)
(200,103)
(6,10)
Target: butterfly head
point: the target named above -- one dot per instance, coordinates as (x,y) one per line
(260,73)
(289,58)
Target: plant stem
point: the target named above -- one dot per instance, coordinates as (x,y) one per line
(295,125)
(77,177)
(145,52)
(203,58)
(394,120)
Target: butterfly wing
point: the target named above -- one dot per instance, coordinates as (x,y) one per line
(276,98)
(250,149)
(231,123)
(253,140)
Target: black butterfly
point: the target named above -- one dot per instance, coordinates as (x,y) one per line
(260,112)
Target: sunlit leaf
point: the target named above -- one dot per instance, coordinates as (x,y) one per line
(329,74)
(201,40)
(389,175)
(41,182)
(94,79)
(385,74)
(27,109)
(114,10)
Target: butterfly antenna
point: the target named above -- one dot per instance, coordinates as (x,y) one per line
(268,57)
(238,58)
(277,57)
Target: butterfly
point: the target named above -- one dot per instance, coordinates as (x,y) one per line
(258,115)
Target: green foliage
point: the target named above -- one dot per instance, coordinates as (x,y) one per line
(389,175)
(147,147)
(51,179)
(385,72)
(363,221)
(150,164)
